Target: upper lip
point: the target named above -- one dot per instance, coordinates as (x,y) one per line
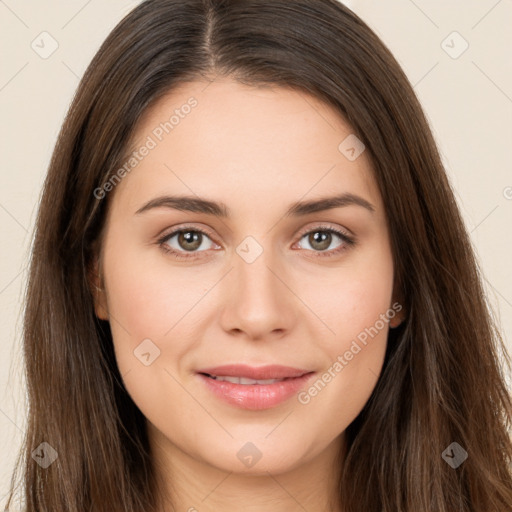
(254,372)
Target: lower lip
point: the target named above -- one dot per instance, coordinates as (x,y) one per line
(256,396)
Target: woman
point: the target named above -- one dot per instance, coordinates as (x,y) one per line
(251,285)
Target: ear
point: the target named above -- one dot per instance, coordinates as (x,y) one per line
(397,305)
(397,319)
(98,291)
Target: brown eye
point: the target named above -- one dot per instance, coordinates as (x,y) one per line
(320,240)
(183,241)
(189,240)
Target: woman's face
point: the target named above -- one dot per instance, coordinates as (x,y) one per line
(256,278)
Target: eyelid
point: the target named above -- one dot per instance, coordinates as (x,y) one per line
(167,233)
(324,227)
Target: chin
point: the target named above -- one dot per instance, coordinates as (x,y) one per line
(257,459)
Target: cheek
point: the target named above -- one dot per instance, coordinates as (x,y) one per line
(152,299)
(356,306)
(352,300)
(151,308)
(157,312)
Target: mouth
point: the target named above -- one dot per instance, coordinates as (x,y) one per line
(268,372)
(245,381)
(254,388)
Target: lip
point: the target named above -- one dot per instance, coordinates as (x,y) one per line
(255,396)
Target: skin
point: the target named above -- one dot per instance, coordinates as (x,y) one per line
(257,150)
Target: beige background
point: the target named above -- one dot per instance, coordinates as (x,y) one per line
(467,97)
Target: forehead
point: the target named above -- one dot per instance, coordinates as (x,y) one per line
(237,143)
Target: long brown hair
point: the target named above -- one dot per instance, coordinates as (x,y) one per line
(443,379)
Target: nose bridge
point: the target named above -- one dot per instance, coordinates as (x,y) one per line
(255,282)
(255,276)
(259,302)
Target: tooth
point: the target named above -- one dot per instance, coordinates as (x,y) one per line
(243,380)
(269,381)
(234,380)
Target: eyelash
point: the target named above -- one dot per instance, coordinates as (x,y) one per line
(347,241)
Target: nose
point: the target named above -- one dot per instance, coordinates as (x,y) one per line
(259,302)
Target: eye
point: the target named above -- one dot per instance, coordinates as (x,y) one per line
(185,240)
(192,240)
(321,238)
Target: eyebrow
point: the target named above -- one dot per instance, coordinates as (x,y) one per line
(219,209)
